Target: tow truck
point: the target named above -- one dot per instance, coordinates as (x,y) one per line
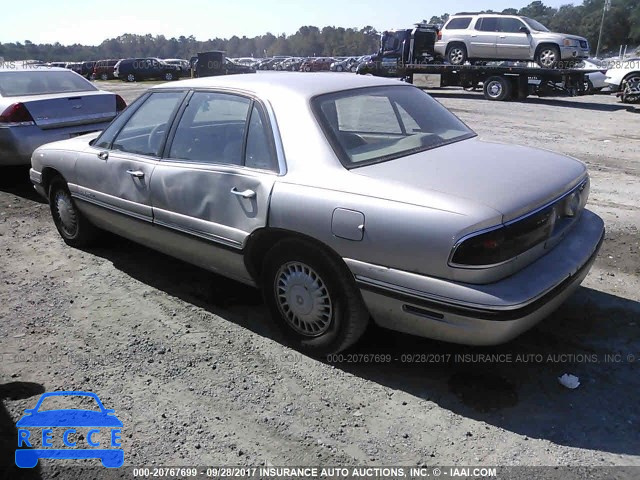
(405,53)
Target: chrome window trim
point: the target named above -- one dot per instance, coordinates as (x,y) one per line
(581,186)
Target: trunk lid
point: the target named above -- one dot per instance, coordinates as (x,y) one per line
(69,109)
(510,179)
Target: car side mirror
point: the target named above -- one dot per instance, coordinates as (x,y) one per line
(525,30)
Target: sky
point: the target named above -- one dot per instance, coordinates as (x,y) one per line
(89,22)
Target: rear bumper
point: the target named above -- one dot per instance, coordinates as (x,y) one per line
(18,143)
(481,314)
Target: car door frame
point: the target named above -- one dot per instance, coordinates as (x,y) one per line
(513,45)
(188,232)
(482,43)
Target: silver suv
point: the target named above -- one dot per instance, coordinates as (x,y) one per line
(506,37)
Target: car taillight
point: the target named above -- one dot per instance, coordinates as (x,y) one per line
(120,103)
(17,114)
(506,242)
(439,35)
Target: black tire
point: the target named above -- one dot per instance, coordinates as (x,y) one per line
(168,76)
(457,54)
(497,88)
(628,87)
(588,88)
(548,56)
(291,267)
(72,225)
(339,68)
(104,76)
(130,77)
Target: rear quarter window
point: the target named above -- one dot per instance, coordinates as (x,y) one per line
(42,82)
(460,23)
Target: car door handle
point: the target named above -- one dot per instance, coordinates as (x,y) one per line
(103,155)
(503,36)
(136,173)
(244,194)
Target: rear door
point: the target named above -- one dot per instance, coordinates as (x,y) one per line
(219,168)
(484,38)
(511,43)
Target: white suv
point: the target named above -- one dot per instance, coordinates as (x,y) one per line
(506,37)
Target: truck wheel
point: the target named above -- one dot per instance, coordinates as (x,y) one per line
(548,56)
(457,54)
(312,298)
(497,88)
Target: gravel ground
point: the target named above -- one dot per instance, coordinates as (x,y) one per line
(198,377)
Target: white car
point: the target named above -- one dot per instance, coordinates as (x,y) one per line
(596,79)
(624,78)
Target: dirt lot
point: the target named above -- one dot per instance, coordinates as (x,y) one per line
(193,369)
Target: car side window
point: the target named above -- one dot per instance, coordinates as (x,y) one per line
(488,24)
(106,137)
(459,23)
(259,152)
(509,25)
(212,129)
(144,131)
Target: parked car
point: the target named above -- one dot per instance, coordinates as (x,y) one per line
(317,64)
(137,69)
(347,65)
(595,80)
(624,78)
(343,198)
(44,104)
(232,68)
(103,69)
(183,65)
(473,36)
(86,69)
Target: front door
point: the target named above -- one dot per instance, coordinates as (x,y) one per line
(512,43)
(116,170)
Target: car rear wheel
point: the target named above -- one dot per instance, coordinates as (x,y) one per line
(307,69)
(497,88)
(168,76)
(339,68)
(71,224)
(548,56)
(457,54)
(104,76)
(131,77)
(312,298)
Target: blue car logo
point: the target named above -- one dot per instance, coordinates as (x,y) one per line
(101,423)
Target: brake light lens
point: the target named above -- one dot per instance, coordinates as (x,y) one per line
(120,104)
(439,34)
(506,242)
(16,114)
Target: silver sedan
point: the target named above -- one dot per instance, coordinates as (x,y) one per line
(39,105)
(345,199)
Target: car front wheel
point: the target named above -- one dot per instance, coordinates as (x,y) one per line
(548,56)
(71,224)
(131,77)
(104,77)
(168,76)
(312,298)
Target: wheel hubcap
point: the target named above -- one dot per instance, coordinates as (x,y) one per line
(66,213)
(303,299)
(494,89)
(456,56)
(548,57)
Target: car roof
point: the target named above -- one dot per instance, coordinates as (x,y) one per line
(265,84)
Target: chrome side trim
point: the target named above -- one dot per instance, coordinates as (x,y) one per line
(90,196)
(203,235)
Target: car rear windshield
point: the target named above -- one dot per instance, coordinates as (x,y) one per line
(377,124)
(42,82)
(458,23)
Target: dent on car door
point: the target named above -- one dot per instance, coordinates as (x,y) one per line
(219,168)
(114,173)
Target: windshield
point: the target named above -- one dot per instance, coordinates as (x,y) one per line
(377,124)
(535,25)
(41,82)
(69,402)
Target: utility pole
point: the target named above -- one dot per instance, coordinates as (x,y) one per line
(607,6)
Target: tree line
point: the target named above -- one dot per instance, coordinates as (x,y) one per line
(621,26)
